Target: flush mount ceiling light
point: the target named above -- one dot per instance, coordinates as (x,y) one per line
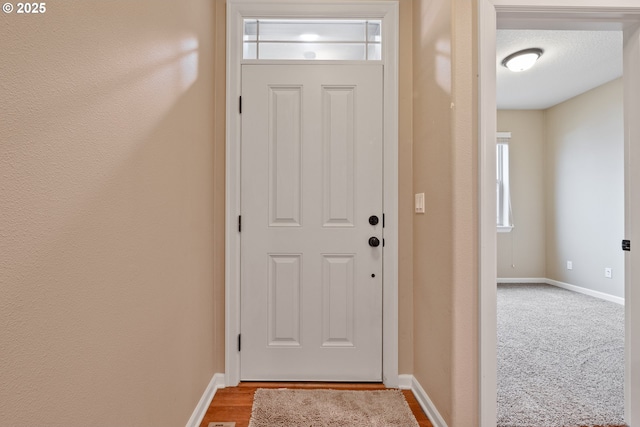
(522,60)
(309,37)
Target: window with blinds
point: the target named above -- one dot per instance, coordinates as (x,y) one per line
(504,214)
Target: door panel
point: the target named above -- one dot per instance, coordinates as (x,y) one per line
(338,151)
(311,286)
(285,140)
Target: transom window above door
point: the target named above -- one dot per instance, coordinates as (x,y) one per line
(306,39)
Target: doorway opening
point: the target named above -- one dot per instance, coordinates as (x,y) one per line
(617,15)
(386,13)
(567,151)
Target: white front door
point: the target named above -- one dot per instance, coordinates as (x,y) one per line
(311,193)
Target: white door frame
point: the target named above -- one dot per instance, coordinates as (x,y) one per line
(548,14)
(388,12)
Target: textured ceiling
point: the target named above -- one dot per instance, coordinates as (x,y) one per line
(573,63)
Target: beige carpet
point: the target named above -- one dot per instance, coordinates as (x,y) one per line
(330,408)
(560,358)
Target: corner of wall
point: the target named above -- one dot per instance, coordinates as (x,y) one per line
(409,382)
(216,383)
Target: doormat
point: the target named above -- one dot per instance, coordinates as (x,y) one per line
(330,408)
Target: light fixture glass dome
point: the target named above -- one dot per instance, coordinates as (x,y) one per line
(522,60)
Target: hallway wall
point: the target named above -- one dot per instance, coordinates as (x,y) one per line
(445,241)
(112,220)
(108,222)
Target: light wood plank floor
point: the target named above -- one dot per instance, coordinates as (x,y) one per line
(234,403)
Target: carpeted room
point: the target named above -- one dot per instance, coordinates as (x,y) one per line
(561,353)
(560,358)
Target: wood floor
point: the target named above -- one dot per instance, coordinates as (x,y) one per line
(234,403)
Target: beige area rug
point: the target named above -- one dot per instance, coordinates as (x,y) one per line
(330,408)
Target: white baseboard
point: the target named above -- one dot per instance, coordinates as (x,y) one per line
(567,286)
(409,382)
(404,381)
(586,291)
(217,381)
(523,280)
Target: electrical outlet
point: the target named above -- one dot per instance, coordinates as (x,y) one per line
(608,273)
(569,265)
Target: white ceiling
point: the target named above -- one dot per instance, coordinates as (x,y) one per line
(573,62)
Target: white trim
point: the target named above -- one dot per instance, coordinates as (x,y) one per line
(512,280)
(505,228)
(538,14)
(567,286)
(388,12)
(487,112)
(405,381)
(598,8)
(632,223)
(585,291)
(217,382)
(409,382)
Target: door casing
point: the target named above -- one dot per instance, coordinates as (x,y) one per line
(388,12)
(546,14)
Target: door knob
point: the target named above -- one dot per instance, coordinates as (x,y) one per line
(374,242)
(373,220)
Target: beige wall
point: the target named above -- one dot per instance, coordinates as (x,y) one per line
(405,191)
(112,221)
(110,286)
(567,185)
(445,237)
(521,252)
(585,189)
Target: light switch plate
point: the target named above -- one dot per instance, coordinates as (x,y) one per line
(419,202)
